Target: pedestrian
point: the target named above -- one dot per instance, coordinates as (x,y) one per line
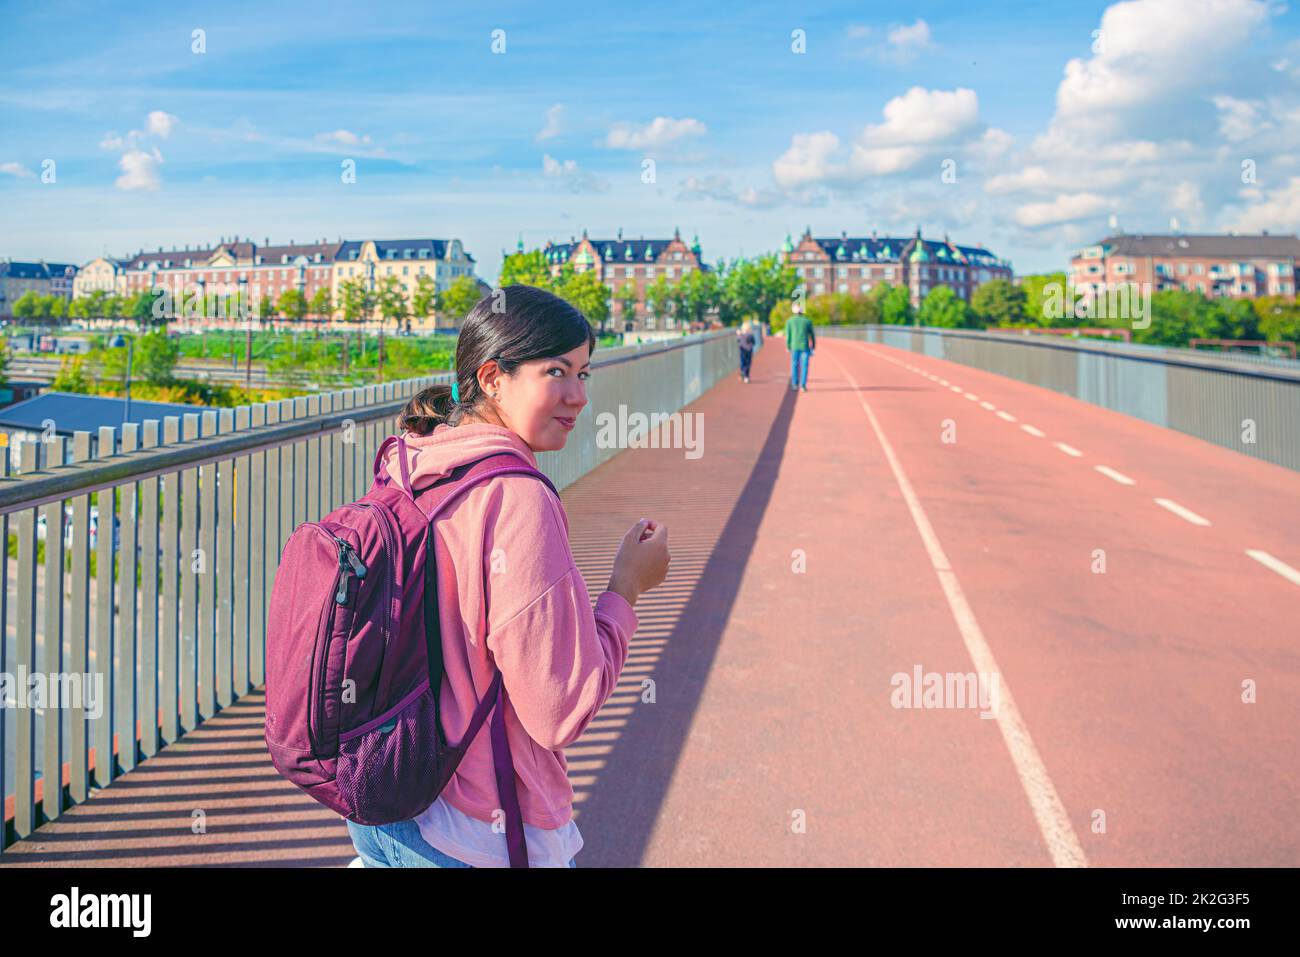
(800,341)
(510,594)
(745,339)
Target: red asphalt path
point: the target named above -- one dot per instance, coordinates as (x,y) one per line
(1127,683)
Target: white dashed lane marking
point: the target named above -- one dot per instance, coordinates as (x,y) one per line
(1033,431)
(1281,567)
(1068,449)
(1184,513)
(1007,415)
(1119,477)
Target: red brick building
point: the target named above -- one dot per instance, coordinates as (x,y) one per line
(1237,267)
(846,264)
(265,271)
(620,261)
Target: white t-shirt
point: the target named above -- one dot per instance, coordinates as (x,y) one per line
(473,841)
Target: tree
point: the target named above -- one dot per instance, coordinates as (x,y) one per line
(321,305)
(459,298)
(390,296)
(293,305)
(156,355)
(895,304)
(699,294)
(658,295)
(999,303)
(753,287)
(586,293)
(1037,294)
(265,309)
(355,299)
(529,269)
(4,362)
(424,301)
(29,305)
(944,309)
(627,299)
(1278,319)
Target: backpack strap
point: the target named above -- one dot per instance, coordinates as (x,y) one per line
(445,491)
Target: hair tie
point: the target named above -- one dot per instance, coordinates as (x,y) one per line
(455,392)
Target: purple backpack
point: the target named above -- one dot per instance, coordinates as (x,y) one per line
(354,661)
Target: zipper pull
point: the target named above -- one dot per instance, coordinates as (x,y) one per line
(341,596)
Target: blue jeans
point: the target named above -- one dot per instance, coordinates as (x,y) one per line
(798,367)
(400,845)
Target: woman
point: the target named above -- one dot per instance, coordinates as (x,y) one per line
(746,341)
(521,604)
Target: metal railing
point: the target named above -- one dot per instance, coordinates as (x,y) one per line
(1249,404)
(170,619)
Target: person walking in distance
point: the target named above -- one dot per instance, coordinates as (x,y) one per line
(800,340)
(745,339)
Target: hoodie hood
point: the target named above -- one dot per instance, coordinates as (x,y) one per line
(433,456)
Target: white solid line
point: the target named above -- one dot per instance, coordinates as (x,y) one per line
(1282,568)
(1053,821)
(1068,449)
(1033,431)
(1181,512)
(1110,473)
(1007,415)
(988,405)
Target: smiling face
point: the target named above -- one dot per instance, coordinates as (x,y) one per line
(541,401)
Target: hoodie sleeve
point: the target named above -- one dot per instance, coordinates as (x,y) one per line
(560,659)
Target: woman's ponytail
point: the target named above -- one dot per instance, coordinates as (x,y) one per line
(426,410)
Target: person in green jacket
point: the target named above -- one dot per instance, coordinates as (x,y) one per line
(800,340)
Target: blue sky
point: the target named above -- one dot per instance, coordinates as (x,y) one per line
(1048,118)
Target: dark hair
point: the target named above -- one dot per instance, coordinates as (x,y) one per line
(511,325)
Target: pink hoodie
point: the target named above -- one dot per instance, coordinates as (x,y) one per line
(510,593)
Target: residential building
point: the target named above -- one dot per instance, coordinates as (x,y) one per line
(1228,266)
(620,261)
(42,278)
(845,264)
(372,260)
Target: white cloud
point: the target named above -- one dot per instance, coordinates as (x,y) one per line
(806,161)
(16,169)
(658,133)
(718,188)
(344,138)
(554,168)
(139,170)
(553,120)
(1067,207)
(161,124)
(1277,210)
(573,177)
(901,44)
(918,125)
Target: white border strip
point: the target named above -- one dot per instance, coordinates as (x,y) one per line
(1053,821)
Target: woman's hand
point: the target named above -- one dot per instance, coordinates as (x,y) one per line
(642,560)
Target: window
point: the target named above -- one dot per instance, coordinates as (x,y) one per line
(672,272)
(1200,271)
(817,272)
(819,288)
(841,272)
(865,288)
(406,270)
(842,287)
(677,256)
(889,272)
(1182,269)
